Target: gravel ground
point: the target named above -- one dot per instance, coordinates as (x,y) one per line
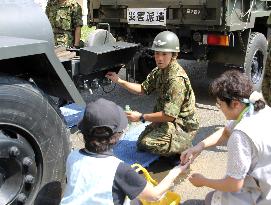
(211,163)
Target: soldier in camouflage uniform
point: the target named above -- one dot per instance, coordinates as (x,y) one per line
(266,85)
(174,123)
(66,19)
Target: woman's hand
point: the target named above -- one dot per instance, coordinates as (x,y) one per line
(191,153)
(133,116)
(197,180)
(113,76)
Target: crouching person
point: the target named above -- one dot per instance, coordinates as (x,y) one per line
(247,133)
(94,175)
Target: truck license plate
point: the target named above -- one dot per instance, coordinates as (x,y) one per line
(147,16)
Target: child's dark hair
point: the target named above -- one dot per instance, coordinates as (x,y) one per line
(234,85)
(101,139)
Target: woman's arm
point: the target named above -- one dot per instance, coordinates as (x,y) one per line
(227,184)
(240,154)
(217,138)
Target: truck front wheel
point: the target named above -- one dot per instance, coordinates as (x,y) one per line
(255,58)
(34,145)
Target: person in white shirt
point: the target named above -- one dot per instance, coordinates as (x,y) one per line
(247,133)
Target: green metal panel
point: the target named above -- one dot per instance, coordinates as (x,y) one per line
(217,15)
(241,15)
(12,48)
(185,12)
(25,32)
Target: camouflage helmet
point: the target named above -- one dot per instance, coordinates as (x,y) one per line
(166,41)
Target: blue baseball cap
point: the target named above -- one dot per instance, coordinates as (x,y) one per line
(103,113)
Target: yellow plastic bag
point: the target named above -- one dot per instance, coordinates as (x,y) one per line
(170,198)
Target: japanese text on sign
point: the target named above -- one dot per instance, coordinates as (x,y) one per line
(146,16)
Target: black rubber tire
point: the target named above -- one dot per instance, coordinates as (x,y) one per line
(25,107)
(256,55)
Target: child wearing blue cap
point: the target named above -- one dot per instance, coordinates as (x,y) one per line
(94,175)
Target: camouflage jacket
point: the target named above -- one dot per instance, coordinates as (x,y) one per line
(266,85)
(175,95)
(64,18)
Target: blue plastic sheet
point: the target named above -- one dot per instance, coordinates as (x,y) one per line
(126,148)
(73,114)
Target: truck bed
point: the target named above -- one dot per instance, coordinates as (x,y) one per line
(197,14)
(192,12)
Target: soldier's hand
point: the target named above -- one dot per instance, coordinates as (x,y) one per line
(133,116)
(112,76)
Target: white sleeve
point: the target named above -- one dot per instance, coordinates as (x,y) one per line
(239,155)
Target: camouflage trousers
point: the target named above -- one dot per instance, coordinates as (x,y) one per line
(165,139)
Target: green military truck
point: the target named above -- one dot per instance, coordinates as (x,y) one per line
(34,138)
(226,33)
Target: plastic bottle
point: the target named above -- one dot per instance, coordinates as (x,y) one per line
(127,109)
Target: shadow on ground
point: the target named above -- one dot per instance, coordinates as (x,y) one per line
(204,132)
